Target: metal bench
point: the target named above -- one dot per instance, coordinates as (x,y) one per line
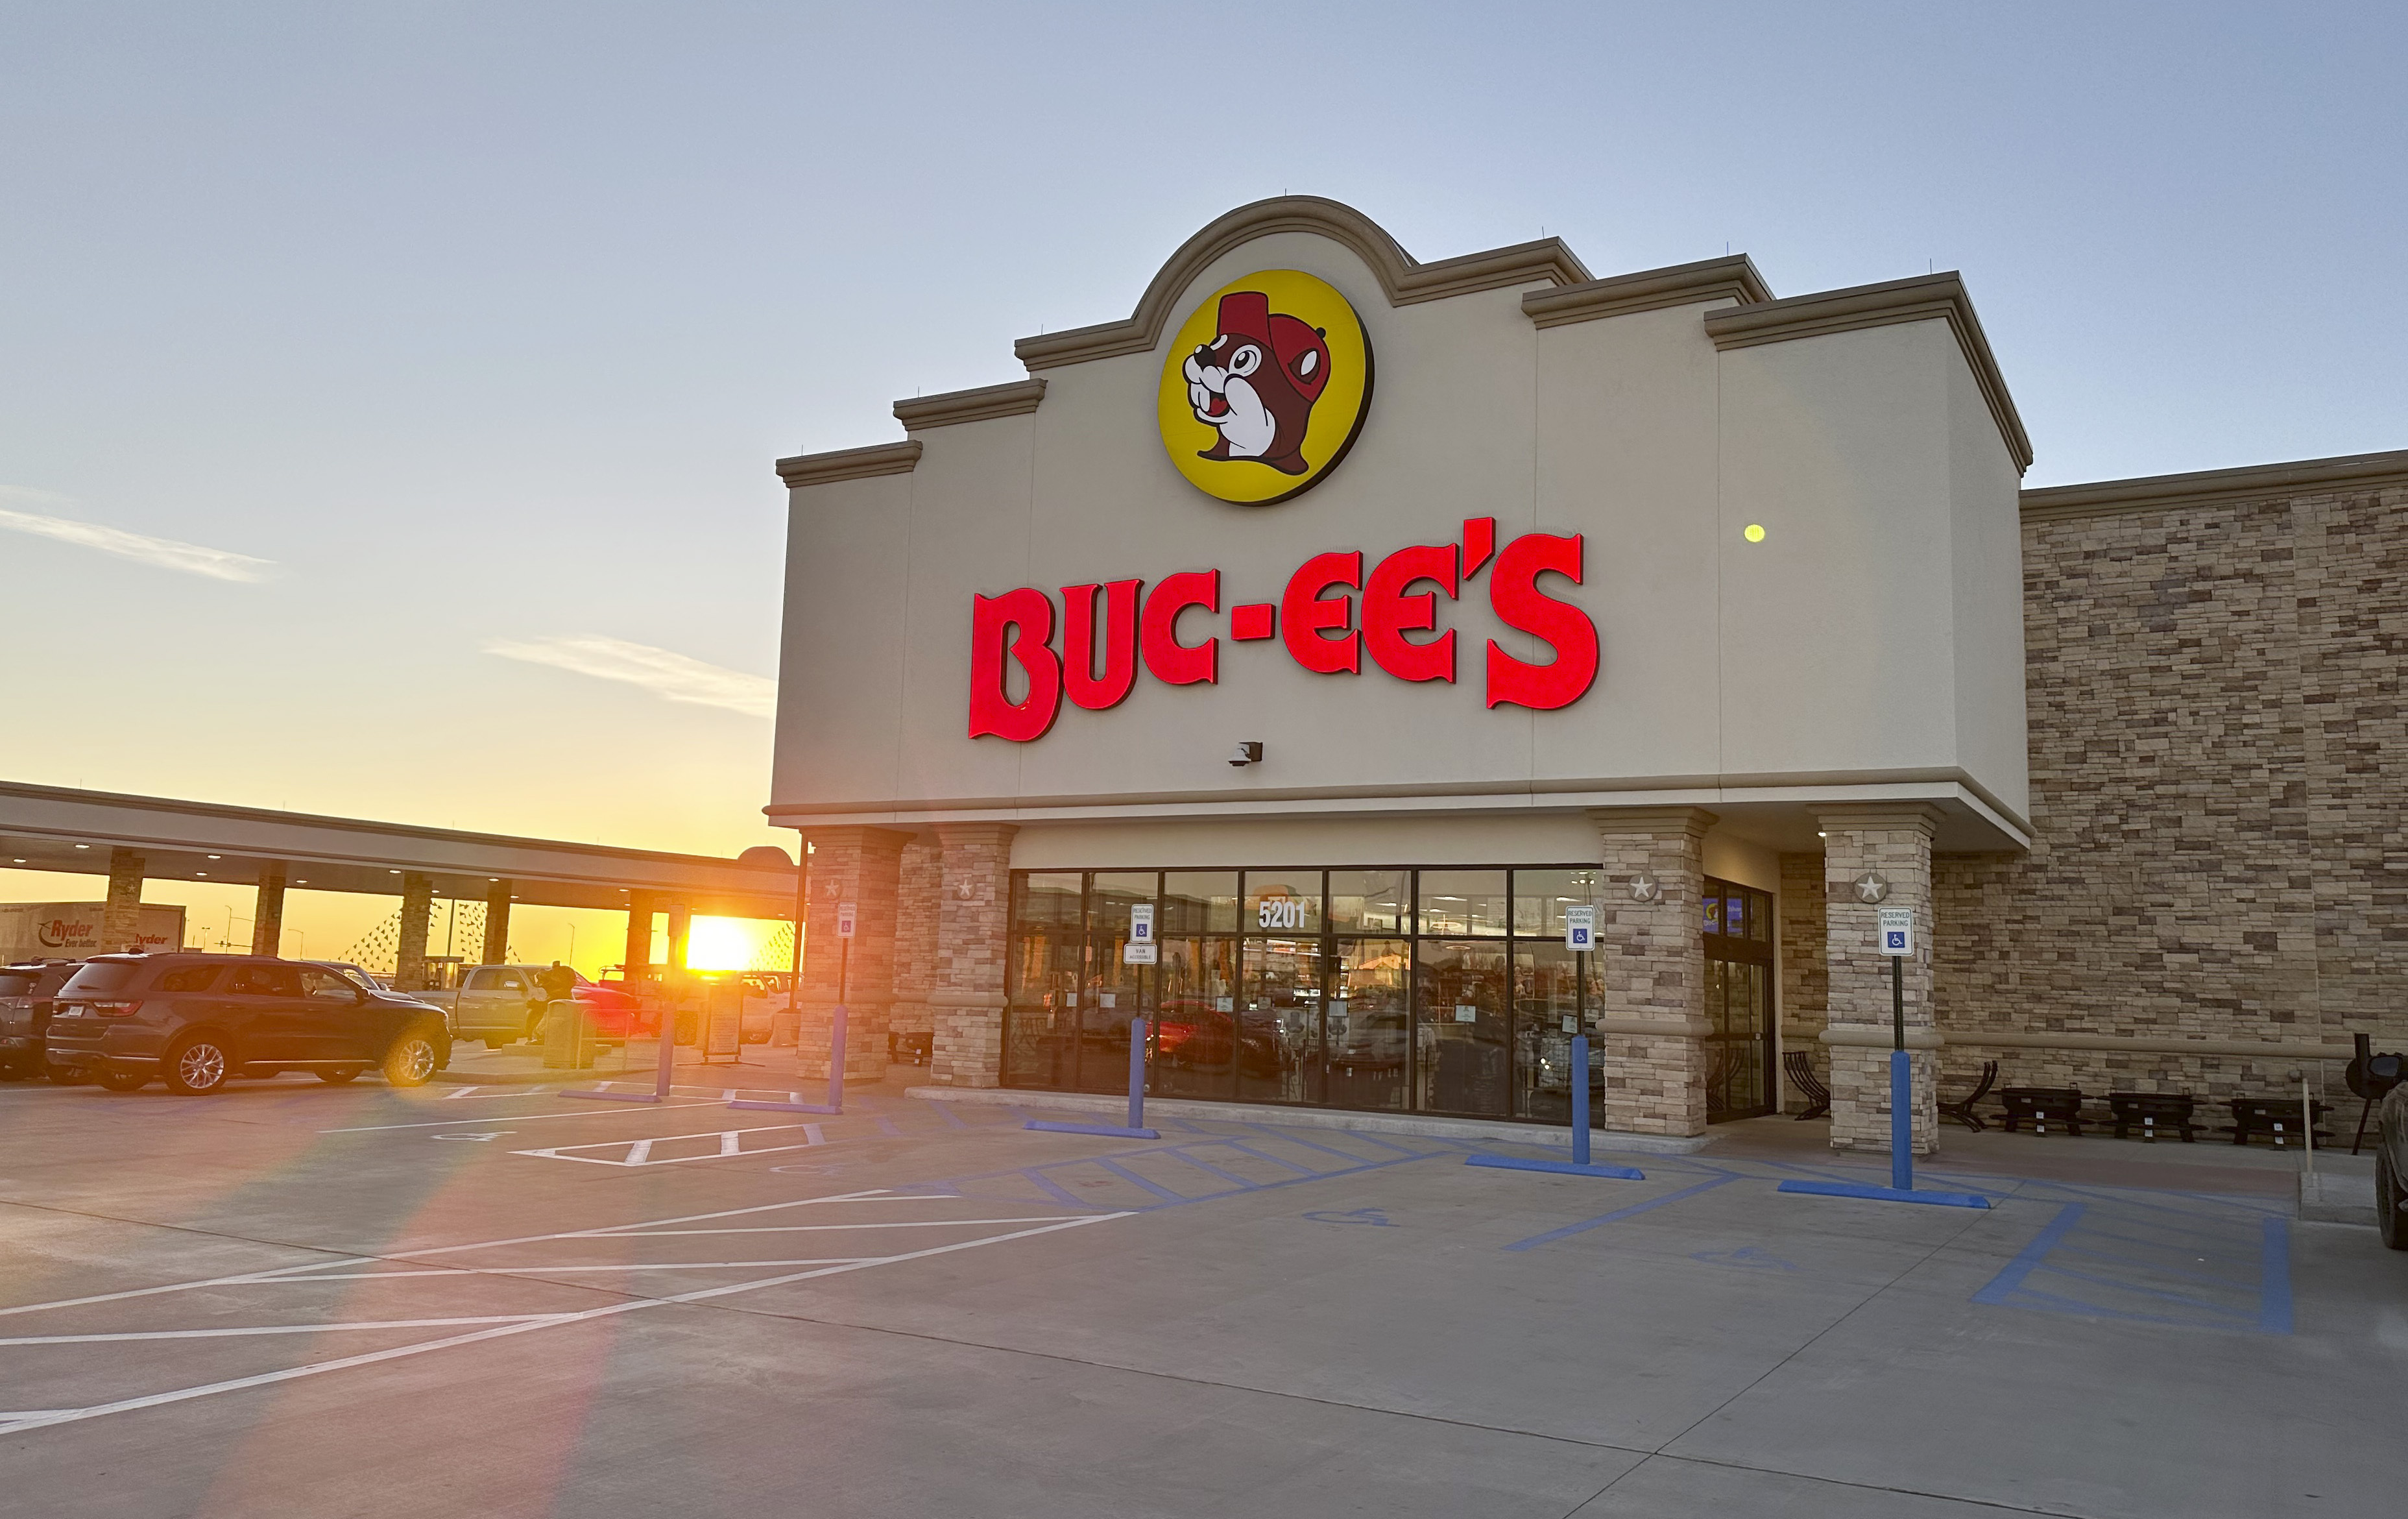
(1801,1066)
(2274,1118)
(2041,1107)
(2154,1113)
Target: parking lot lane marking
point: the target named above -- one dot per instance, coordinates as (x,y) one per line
(278,1329)
(656,1266)
(637,1153)
(522,1118)
(240,1279)
(882,1224)
(1290,1137)
(1618,1214)
(463,1092)
(1259,1154)
(265,1378)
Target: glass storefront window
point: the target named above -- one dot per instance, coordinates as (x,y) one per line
(1043,980)
(1365,1028)
(1461,1053)
(1199,902)
(1540,897)
(1371,901)
(1279,1022)
(1283,902)
(1196,994)
(1114,993)
(1463,902)
(1549,1008)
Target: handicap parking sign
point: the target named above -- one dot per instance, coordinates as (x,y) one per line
(1897,930)
(1579,928)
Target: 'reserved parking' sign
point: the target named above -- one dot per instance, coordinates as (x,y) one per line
(845,916)
(1895,930)
(1579,928)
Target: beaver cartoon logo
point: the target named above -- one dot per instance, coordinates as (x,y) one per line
(1264,388)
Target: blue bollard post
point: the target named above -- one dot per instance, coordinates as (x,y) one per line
(1579,1099)
(1902,1120)
(1137,1073)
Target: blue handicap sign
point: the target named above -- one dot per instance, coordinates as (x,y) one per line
(1896,941)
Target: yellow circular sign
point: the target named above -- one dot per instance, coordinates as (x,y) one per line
(1266,385)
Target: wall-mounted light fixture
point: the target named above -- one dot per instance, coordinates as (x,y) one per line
(1249,753)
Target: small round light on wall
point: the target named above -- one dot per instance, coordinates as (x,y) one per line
(83,846)
(1753,532)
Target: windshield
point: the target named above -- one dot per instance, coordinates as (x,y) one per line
(101,976)
(16,984)
(358,978)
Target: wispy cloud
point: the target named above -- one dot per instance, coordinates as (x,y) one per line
(162,554)
(664,674)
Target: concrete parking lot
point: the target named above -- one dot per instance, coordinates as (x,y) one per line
(467,1300)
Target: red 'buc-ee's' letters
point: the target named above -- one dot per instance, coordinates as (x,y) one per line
(1513,593)
(1174,663)
(1389,614)
(1087,689)
(1016,626)
(1305,613)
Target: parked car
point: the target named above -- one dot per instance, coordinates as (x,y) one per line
(25,1004)
(2391,1152)
(196,1019)
(504,1004)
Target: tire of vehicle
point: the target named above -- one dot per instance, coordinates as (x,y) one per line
(2388,1195)
(123,1082)
(66,1076)
(197,1066)
(413,1058)
(340,1074)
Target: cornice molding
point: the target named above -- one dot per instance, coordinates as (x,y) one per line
(1014,398)
(1732,278)
(848,464)
(1932,297)
(1402,278)
(2211,487)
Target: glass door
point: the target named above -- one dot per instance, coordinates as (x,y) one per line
(1738,932)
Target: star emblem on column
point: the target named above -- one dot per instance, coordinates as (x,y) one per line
(1644,887)
(1872,886)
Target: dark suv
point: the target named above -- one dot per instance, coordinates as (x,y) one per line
(194,1020)
(25,994)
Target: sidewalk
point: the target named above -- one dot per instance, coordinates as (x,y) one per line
(758,1067)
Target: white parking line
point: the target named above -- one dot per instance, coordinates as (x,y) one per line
(46,1419)
(639,1152)
(519,1118)
(271,1330)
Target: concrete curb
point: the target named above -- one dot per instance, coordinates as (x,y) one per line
(1249,1113)
(2326,1198)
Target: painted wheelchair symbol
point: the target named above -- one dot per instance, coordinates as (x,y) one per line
(1377,1217)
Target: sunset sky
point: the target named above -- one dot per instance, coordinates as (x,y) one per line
(390,392)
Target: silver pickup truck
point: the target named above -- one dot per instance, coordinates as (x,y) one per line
(499,1004)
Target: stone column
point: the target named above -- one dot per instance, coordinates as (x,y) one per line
(496,951)
(916,927)
(417,902)
(860,866)
(121,918)
(1894,841)
(637,962)
(1651,965)
(1805,988)
(268,912)
(680,935)
(974,918)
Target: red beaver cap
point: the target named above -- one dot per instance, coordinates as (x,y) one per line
(1247,313)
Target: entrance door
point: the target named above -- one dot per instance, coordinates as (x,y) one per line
(1737,930)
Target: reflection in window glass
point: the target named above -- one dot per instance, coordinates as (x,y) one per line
(1371,901)
(1111,990)
(1714,921)
(1460,1021)
(1366,1023)
(1547,1011)
(1196,990)
(1463,902)
(1540,897)
(1042,979)
(1199,902)
(1279,1022)
(1283,902)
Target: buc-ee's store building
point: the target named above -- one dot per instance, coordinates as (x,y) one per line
(1362,615)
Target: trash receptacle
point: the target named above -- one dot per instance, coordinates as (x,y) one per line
(567,1037)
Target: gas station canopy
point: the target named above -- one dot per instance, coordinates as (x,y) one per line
(59,828)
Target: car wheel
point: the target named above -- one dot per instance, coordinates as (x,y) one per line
(2387,1199)
(340,1074)
(126,1081)
(197,1065)
(413,1059)
(68,1076)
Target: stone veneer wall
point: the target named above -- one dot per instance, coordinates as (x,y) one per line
(975,909)
(1651,969)
(2218,744)
(1805,987)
